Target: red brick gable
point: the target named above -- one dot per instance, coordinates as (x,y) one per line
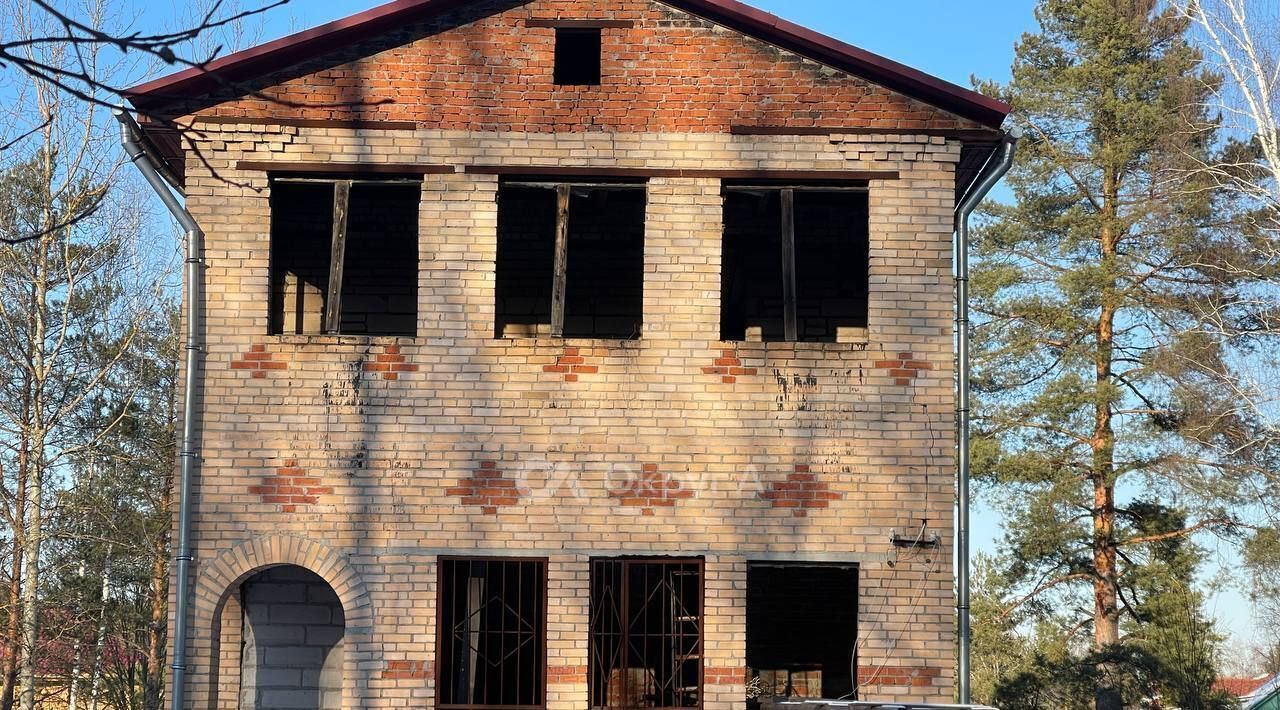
(483,68)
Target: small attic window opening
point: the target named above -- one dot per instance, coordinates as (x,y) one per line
(577,56)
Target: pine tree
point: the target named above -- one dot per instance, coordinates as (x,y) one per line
(1095,386)
(113,523)
(1000,651)
(1168,623)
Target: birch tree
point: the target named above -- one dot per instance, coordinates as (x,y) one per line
(115,521)
(1241,41)
(77,28)
(75,287)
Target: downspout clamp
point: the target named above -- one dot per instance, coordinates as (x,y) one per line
(992,173)
(131,140)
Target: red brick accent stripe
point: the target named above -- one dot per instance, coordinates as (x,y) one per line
(651,489)
(391,363)
(572,364)
(408,670)
(898,676)
(724,675)
(801,492)
(487,488)
(258,362)
(904,369)
(729,367)
(566,674)
(291,487)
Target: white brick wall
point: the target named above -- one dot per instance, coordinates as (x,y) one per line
(387,452)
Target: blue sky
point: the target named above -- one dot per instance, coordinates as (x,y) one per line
(949,39)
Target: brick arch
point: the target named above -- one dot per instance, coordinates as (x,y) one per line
(225,573)
(217,581)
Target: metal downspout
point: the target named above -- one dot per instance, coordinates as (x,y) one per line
(130,136)
(993,172)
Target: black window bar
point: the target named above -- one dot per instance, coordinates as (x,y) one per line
(491,641)
(646,633)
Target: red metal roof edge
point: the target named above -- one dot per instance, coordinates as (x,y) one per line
(281,52)
(807,42)
(736,15)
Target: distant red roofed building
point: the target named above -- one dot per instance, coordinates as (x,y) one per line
(1254,693)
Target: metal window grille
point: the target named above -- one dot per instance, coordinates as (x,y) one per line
(492,633)
(646,633)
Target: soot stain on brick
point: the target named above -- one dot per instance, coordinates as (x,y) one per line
(359,458)
(343,398)
(346,391)
(847,376)
(676,19)
(794,390)
(834,461)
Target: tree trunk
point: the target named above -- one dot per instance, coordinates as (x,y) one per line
(99,643)
(78,651)
(13,630)
(1106,608)
(157,631)
(31,579)
(35,490)
(31,585)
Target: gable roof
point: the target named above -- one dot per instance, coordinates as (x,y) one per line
(1243,687)
(286,51)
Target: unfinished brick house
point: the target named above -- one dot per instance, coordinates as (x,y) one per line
(569,354)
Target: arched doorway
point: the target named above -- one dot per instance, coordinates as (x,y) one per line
(292,631)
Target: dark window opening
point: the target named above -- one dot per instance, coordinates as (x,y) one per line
(577,56)
(491,643)
(802,630)
(344,257)
(590,287)
(795,264)
(645,638)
